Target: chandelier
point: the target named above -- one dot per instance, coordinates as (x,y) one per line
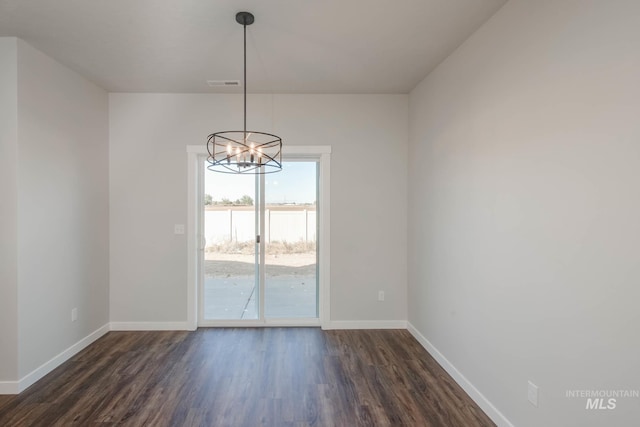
(244,151)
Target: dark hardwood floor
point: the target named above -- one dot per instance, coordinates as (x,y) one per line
(247,377)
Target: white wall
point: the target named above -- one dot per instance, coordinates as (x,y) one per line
(148,176)
(62,207)
(8,210)
(524,207)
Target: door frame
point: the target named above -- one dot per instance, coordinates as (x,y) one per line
(196,154)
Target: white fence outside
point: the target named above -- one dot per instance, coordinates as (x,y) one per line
(237,224)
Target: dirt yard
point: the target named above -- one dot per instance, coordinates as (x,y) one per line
(227,265)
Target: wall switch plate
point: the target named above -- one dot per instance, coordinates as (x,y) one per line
(74,314)
(380,295)
(532,393)
(178,229)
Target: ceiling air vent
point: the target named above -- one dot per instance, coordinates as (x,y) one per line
(228,83)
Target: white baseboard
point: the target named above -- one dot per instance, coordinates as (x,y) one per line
(150,326)
(184,326)
(365,324)
(462,381)
(16,387)
(29,379)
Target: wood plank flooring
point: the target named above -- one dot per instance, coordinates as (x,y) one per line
(247,377)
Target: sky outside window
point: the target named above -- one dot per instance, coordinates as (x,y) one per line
(295,184)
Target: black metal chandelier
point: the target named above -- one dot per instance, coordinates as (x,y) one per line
(244,151)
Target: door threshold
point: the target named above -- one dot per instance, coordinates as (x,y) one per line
(268,323)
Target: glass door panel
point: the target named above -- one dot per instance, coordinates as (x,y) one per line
(290,241)
(274,276)
(231,289)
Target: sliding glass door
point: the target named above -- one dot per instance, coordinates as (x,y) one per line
(231,252)
(290,242)
(260,235)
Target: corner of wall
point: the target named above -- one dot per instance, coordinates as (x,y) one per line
(8,213)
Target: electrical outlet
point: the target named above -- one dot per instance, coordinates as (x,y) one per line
(74,314)
(532,394)
(178,229)
(380,295)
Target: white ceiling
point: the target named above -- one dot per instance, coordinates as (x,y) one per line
(295,46)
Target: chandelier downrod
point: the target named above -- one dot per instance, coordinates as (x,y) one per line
(244,26)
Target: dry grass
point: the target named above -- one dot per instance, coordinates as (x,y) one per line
(276,248)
